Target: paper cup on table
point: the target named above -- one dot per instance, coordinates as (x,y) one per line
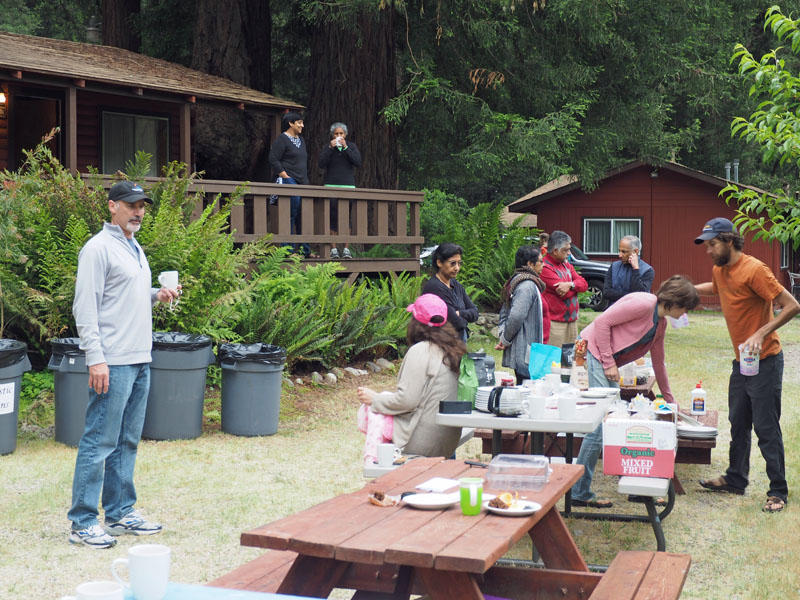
(386,454)
(567,407)
(536,404)
(98,590)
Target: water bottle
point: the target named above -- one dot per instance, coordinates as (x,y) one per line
(698,400)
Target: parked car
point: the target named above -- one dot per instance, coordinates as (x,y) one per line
(594,272)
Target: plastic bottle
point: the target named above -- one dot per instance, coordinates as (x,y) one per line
(698,400)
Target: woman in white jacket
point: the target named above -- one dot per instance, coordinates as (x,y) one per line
(428,375)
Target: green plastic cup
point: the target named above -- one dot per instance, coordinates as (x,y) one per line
(471,495)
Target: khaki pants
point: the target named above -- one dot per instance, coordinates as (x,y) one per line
(563,333)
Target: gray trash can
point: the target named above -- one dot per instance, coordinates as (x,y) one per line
(177,386)
(13,363)
(71,380)
(251,388)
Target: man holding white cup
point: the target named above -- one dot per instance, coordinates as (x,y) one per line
(113,315)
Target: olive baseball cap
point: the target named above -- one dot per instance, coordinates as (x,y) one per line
(713,228)
(128,191)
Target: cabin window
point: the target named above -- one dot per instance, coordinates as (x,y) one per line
(125,134)
(786,255)
(602,236)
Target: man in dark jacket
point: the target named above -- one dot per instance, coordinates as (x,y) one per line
(628,274)
(288,158)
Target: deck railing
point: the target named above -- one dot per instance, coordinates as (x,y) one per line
(365,217)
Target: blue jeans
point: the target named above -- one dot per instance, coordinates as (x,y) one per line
(107,450)
(296,203)
(592,443)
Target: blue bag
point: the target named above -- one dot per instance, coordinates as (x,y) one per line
(541,359)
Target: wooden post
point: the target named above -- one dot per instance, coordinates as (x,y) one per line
(71,130)
(185,125)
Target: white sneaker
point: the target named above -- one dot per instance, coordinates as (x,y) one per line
(335,252)
(346,253)
(133,523)
(92,536)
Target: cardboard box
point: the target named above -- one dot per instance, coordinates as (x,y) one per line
(639,448)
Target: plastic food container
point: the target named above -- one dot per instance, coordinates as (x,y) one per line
(518,472)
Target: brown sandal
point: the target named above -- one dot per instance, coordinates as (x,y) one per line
(720,484)
(774,504)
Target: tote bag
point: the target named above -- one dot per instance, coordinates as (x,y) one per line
(542,357)
(467,380)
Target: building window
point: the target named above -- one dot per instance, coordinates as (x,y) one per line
(602,236)
(125,134)
(786,255)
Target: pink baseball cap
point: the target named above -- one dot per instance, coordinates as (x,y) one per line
(429,310)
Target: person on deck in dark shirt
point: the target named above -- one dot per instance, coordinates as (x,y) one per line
(288,158)
(339,158)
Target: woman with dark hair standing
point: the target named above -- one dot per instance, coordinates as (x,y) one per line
(288,157)
(524,318)
(460,309)
(428,375)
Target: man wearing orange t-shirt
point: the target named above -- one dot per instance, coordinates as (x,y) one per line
(747,290)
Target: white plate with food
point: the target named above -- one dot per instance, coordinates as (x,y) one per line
(432,501)
(518,508)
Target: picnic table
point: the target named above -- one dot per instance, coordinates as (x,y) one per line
(346,542)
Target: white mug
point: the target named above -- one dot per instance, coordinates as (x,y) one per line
(536,405)
(168,279)
(97,590)
(148,566)
(387,454)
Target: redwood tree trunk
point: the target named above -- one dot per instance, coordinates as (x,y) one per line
(120,28)
(352,77)
(234,43)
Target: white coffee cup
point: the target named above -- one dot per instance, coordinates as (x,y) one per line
(168,279)
(567,407)
(148,566)
(386,454)
(98,590)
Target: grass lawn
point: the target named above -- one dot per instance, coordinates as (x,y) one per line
(206,491)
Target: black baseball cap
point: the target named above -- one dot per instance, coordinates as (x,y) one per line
(128,191)
(713,228)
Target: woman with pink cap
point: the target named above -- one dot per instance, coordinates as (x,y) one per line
(428,375)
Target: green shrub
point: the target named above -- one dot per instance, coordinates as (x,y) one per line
(36,398)
(489,250)
(439,211)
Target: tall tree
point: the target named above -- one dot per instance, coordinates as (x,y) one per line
(120,24)
(233,43)
(352,77)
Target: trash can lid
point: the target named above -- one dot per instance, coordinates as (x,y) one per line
(12,352)
(66,346)
(174,340)
(257,353)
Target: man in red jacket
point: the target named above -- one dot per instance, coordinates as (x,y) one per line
(563,285)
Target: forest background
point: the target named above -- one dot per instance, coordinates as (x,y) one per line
(481,100)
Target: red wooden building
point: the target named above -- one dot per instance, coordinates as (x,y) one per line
(665,206)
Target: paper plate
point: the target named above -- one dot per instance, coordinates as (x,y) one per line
(593,393)
(522,508)
(431,501)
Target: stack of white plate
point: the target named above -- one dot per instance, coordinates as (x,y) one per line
(698,432)
(482,398)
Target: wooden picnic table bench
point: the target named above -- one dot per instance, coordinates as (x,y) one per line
(643,576)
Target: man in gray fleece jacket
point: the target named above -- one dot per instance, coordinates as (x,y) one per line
(113,313)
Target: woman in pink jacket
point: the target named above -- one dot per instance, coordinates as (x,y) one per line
(627,330)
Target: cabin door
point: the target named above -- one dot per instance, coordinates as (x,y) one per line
(31,119)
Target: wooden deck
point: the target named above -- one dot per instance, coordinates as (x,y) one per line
(365,217)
